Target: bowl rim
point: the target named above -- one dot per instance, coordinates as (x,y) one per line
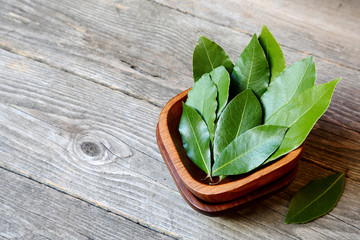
(217,209)
(211,193)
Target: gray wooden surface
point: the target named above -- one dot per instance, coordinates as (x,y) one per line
(31,210)
(82,84)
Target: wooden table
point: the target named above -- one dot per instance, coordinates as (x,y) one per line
(82,84)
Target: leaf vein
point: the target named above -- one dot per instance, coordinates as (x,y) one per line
(320,195)
(197,144)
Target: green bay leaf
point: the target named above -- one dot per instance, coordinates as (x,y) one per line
(241,114)
(202,97)
(207,56)
(315,199)
(249,150)
(273,52)
(221,78)
(195,137)
(300,115)
(288,85)
(251,70)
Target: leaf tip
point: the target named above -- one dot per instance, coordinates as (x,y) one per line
(264,28)
(201,37)
(337,80)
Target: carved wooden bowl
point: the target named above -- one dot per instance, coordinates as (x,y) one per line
(232,191)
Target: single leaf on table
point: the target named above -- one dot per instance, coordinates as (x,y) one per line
(241,114)
(207,56)
(315,199)
(195,137)
(202,97)
(273,52)
(288,85)
(251,70)
(300,115)
(221,78)
(249,150)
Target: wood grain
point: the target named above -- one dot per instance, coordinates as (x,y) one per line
(111,44)
(43,126)
(30,210)
(82,85)
(46,137)
(306,26)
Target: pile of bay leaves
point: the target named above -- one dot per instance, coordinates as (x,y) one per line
(239,117)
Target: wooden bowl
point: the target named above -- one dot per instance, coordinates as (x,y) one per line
(216,209)
(231,188)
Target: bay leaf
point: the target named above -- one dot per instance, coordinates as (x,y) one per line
(202,97)
(249,150)
(207,56)
(221,78)
(300,115)
(273,52)
(195,137)
(241,114)
(315,199)
(288,85)
(251,70)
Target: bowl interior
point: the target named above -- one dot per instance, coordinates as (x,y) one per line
(196,173)
(195,179)
(173,119)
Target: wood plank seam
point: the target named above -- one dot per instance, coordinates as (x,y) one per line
(137,221)
(344,221)
(249,34)
(347,128)
(26,89)
(283,215)
(198,17)
(5,48)
(122,91)
(274,229)
(132,66)
(30,219)
(326,168)
(42,61)
(290,195)
(132,147)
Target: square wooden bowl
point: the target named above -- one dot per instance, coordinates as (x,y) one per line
(190,178)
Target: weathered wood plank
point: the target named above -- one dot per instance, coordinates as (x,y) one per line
(46,121)
(123,41)
(327,29)
(79,110)
(96,45)
(344,211)
(122,37)
(30,210)
(273,210)
(48,114)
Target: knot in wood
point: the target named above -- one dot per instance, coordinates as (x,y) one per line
(91,149)
(97,147)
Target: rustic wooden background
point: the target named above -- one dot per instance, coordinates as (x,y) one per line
(82,84)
